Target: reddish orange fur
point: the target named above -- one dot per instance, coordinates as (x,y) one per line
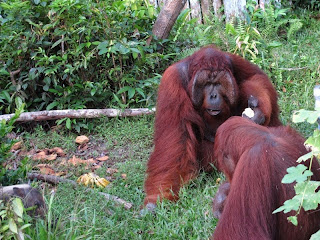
(254,159)
(181,148)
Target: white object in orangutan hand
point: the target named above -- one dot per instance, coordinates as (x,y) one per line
(248,112)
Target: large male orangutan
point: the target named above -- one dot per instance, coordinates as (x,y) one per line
(255,159)
(196,95)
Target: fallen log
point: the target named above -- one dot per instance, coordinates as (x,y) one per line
(80,113)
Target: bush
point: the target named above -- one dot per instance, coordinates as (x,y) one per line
(10,176)
(77,54)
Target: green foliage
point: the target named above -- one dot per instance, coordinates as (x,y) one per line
(298,174)
(78,54)
(6,143)
(310,4)
(307,196)
(7,176)
(315,236)
(305,115)
(12,220)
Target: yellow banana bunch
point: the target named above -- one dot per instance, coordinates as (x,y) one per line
(91,180)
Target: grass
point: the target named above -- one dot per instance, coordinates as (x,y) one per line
(81,214)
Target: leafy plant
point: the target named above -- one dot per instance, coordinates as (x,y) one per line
(77,54)
(5,128)
(7,176)
(12,221)
(307,196)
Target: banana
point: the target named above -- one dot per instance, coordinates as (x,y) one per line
(91,179)
(104,182)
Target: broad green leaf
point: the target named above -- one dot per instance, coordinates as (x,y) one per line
(293,220)
(57,43)
(102,45)
(150,12)
(25,226)
(305,157)
(93,91)
(47,80)
(17,207)
(6,95)
(298,173)
(52,105)
(124,89)
(315,236)
(4,228)
(45,88)
(121,48)
(18,102)
(61,121)
(3,213)
(13,226)
(4,72)
(68,123)
(103,51)
(289,205)
(131,92)
(307,190)
(305,115)
(135,55)
(314,140)
(140,91)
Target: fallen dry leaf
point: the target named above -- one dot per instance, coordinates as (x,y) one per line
(16,146)
(39,156)
(76,161)
(82,139)
(104,158)
(45,169)
(44,155)
(51,157)
(58,151)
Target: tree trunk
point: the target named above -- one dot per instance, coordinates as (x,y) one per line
(206,6)
(195,10)
(217,4)
(234,9)
(167,17)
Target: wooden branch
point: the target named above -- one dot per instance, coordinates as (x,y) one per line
(81,113)
(12,74)
(55,180)
(50,179)
(293,69)
(126,205)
